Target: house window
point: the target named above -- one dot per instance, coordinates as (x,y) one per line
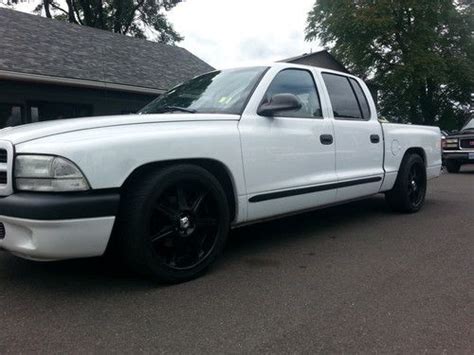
(46,111)
(10,115)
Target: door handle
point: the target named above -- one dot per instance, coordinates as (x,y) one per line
(374,138)
(326,139)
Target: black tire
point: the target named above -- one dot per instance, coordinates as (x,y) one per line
(173,238)
(453,166)
(408,194)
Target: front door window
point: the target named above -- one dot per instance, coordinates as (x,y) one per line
(300,83)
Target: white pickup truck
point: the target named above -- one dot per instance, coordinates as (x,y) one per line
(225,149)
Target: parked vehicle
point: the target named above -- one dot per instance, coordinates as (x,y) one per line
(225,149)
(458,148)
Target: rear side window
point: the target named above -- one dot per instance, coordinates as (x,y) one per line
(364,104)
(301,84)
(344,102)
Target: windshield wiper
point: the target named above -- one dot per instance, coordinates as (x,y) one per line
(176,108)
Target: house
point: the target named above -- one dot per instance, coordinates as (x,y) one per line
(51,69)
(322,59)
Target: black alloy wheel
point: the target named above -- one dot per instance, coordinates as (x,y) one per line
(416,184)
(183,224)
(409,191)
(173,222)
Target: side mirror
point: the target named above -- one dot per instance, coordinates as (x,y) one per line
(278,103)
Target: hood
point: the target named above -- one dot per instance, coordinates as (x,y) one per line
(28,132)
(469,133)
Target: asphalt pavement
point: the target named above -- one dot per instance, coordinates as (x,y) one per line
(355,278)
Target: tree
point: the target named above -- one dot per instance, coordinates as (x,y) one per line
(417,53)
(137,18)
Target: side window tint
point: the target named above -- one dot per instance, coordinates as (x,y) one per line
(364,104)
(343,100)
(301,84)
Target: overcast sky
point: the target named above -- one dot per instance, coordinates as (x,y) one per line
(227,33)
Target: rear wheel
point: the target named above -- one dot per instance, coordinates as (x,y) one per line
(408,194)
(453,166)
(174,223)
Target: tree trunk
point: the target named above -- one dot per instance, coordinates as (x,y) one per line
(100,12)
(88,15)
(70,11)
(47,10)
(118,16)
(426,101)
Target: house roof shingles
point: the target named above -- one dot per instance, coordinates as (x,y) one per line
(32,44)
(321,58)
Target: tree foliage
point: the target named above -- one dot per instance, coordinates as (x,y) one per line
(418,53)
(137,18)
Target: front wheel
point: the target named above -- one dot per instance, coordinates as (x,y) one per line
(408,194)
(452,166)
(174,222)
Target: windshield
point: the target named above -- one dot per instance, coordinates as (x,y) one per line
(224,91)
(469,125)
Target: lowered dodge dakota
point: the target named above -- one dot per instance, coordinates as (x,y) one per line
(162,188)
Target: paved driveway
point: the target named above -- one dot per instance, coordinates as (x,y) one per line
(354,278)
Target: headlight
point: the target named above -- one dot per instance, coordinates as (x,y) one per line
(48,174)
(451,143)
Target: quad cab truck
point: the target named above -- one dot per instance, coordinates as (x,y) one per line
(228,148)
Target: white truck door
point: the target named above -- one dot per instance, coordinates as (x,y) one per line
(358,137)
(289,159)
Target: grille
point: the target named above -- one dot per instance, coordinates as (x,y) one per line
(3,156)
(467,143)
(6,160)
(2,231)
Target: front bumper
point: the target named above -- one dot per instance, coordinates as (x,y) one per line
(44,226)
(464,157)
